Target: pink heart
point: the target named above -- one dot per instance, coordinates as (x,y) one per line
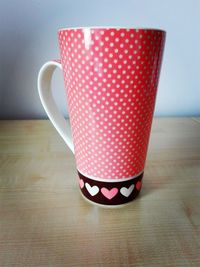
(138,185)
(81,183)
(109,193)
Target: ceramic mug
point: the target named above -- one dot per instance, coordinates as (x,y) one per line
(111,79)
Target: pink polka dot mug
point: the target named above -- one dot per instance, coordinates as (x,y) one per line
(111,78)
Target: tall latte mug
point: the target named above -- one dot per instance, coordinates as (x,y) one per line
(111,79)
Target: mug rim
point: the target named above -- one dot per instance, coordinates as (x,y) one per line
(111,28)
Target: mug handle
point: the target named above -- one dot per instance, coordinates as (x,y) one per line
(45,93)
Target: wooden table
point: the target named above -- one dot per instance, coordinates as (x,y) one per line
(44,221)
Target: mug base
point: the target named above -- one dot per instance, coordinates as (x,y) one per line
(110,194)
(106,206)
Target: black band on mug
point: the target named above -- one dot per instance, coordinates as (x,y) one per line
(110,193)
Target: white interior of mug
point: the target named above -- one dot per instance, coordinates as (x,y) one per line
(111,27)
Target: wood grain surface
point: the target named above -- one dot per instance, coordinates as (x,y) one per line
(44,221)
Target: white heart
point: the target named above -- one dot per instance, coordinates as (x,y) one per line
(93,190)
(127,191)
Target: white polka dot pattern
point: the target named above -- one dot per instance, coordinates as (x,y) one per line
(111,76)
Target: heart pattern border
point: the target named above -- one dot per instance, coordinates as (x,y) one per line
(110,193)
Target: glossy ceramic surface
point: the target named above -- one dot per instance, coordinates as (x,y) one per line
(111,76)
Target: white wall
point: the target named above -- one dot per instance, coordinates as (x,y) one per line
(28,38)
